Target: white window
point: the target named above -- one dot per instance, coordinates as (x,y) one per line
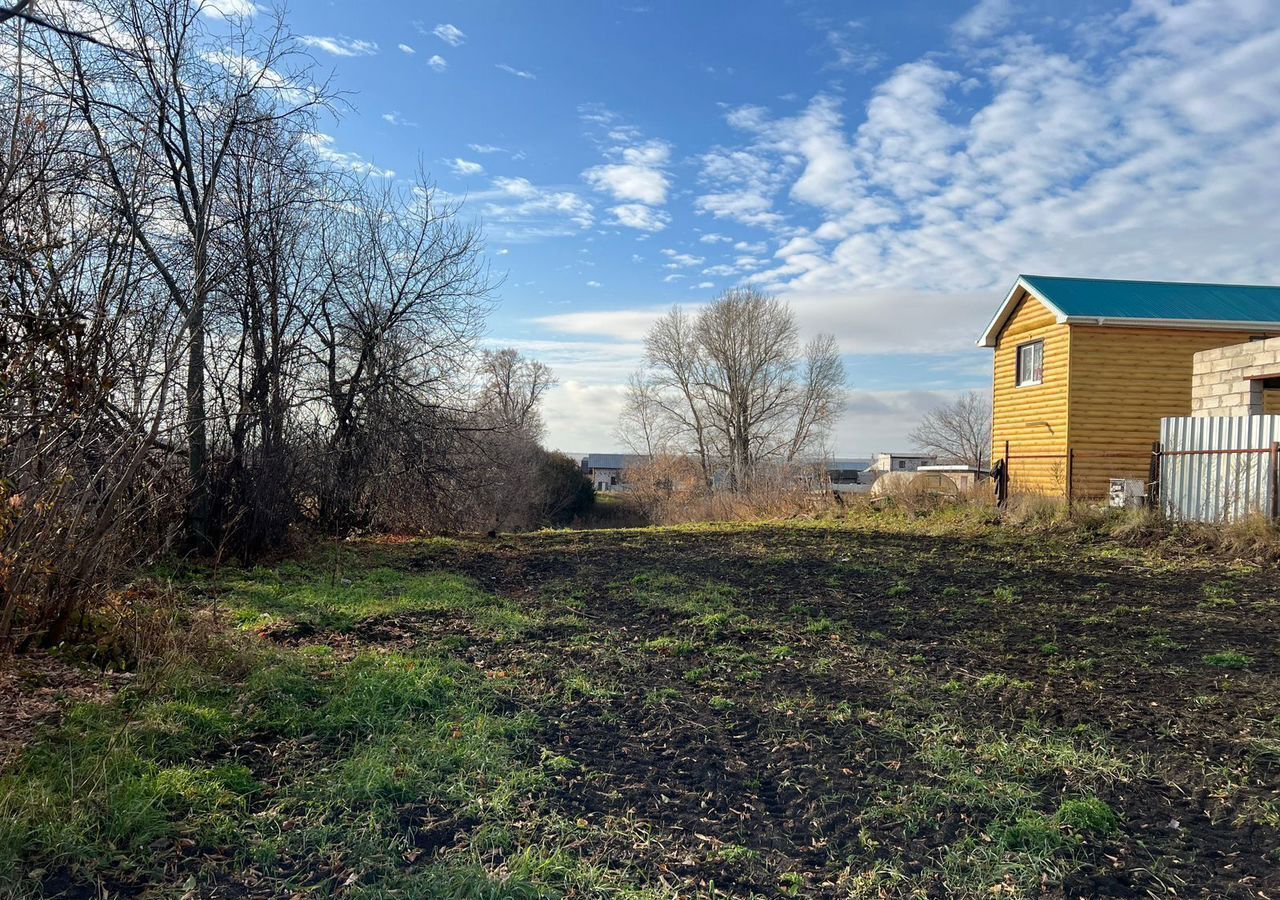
(1031,363)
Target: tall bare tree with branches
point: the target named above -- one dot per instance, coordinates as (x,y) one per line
(958,431)
(733,385)
(167,112)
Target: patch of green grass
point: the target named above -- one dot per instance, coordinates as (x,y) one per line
(1003,594)
(790,884)
(1160,640)
(735,853)
(994,682)
(1087,815)
(1028,831)
(660,696)
(301,594)
(697,674)
(820,626)
(670,646)
(119,783)
(583,685)
(1228,659)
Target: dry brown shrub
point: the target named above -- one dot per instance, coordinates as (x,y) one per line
(672,489)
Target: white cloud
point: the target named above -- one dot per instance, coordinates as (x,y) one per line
(438,63)
(679,260)
(639,176)
(340,46)
(229,9)
(613,324)
(465,167)
(593,284)
(983,19)
(323,145)
(242,66)
(1137,163)
(405,48)
(874,421)
(516,210)
(635,172)
(519,73)
(568,429)
(640,217)
(503,252)
(394,118)
(450,34)
(850,49)
(713,238)
(743,184)
(486,149)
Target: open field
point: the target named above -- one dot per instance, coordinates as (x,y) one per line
(804,709)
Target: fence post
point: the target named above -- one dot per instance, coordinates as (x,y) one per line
(1275,479)
(1071,468)
(1153,476)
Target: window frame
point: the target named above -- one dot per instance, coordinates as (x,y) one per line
(1035,378)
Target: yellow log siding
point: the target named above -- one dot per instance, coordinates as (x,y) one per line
(1122,382)
(1032,418)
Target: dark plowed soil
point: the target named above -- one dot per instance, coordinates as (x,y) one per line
(810,710)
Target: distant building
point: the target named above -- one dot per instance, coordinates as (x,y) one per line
(606,470)
(900,462)
(846,470)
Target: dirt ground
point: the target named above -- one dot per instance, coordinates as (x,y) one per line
(821,701)
(802,709)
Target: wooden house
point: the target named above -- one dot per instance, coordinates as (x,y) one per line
(1085,368)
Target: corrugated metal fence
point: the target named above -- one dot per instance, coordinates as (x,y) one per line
(1217,468)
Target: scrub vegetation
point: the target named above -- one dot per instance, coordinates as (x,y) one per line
(883,706)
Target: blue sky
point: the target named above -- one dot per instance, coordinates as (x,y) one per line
(887,167)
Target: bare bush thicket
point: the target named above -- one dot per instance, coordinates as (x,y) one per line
(211,331)
(668,489)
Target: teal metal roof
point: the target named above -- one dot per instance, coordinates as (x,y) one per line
(1170,304)
(1108,299)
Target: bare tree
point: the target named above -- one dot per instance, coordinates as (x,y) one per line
(734,386)
(166,107)
(644,427)
(512,390)
(959,431)
(674,358)
(206,328)
(404,300)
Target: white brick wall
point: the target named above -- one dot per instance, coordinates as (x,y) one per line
(1220,380)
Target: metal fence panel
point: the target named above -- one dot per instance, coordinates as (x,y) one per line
(1217,486)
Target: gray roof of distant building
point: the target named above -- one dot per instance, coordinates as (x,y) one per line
(614,460)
